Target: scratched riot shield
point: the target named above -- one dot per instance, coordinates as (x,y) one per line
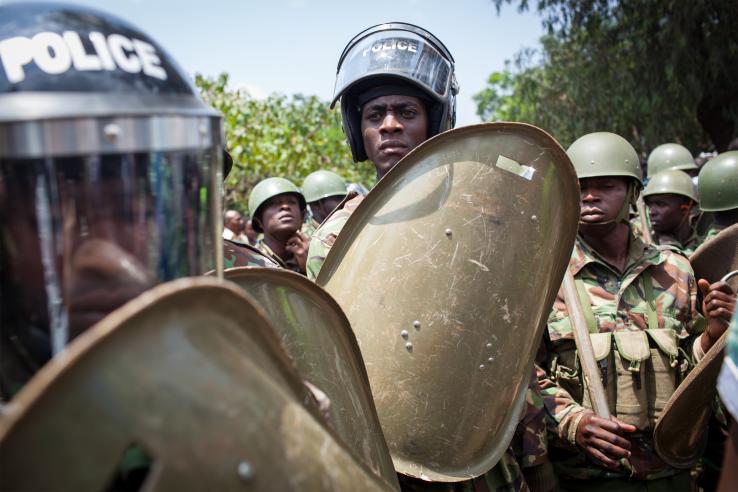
(187,385)
(318,338)
(447,272)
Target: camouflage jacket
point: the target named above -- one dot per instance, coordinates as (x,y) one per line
(289,264)
(618,302)
(242,255)
(323,238)
(309,226)
(686,248)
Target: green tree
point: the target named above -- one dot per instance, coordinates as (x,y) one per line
(653,71)
(278,136)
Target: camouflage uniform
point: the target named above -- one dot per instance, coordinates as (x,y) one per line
(289,264)
(665,240)
(326,234)
(242,255)
(309,226)
(619,304)
(686,248)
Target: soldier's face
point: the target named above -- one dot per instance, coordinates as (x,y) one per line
(281,215)
(666,212)
(392,126)
(322,208)
(602,198)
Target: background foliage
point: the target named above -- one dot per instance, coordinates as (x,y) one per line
(653,71)
(279,136)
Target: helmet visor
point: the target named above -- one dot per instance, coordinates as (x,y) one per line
(80,236)
(395,53)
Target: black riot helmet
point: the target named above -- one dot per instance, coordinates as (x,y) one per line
(110,176)
(395,55)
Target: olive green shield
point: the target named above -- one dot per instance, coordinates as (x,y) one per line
(318,338)
(717,257)
(190,376)
(447,272)
(680,434)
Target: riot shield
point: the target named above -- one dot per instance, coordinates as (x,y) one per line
(717,257)
(447,272)
(319,340)
(680,434)
(190,378)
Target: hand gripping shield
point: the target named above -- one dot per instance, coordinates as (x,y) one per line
(191,374)
(318,338)
(447,272)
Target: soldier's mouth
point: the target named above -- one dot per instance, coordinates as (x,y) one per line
(591,212)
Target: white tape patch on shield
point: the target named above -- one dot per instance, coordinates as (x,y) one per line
(515,167)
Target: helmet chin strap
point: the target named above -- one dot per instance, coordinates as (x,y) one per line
(624,213)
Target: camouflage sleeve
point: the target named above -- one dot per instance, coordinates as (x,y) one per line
(559,404)
(321,244)
(529,442)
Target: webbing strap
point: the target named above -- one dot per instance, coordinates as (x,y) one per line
(586,306)
(653,321)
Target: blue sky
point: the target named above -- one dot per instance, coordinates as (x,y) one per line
(293,46)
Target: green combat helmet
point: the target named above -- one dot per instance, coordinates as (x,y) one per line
(672,181)
(718,183)
(268,188)
(670,156)
(323,184)
(603,154)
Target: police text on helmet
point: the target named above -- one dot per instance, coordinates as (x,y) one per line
(392,44)
(56,53)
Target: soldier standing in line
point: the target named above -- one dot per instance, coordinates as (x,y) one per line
(241,253)
(277,209)
(671,198)
(640,304)
(323,191)
(718,192)
(387,112)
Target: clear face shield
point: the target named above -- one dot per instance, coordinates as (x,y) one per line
(80,236)
(396,53)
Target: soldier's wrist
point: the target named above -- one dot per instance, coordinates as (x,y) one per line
(571,435)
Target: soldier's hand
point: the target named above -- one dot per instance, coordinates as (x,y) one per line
(298,245)
(602,441)
(718,305)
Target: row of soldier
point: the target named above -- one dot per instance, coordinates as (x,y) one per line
(648,322)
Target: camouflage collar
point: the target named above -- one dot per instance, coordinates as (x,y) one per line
(266,250)
(639,254)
